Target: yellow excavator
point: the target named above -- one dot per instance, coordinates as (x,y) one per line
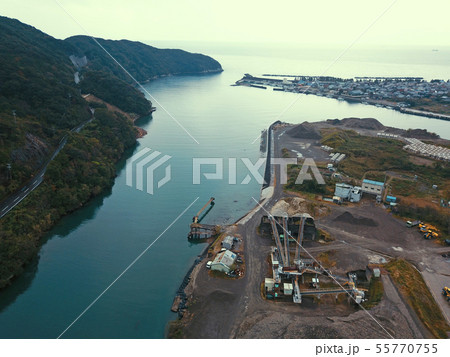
(431,235)
(446,293)
(427,227)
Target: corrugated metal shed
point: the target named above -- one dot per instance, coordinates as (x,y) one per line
(223,261)
(287,288)
(343,190)
(227,242)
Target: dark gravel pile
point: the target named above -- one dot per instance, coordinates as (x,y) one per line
(304,131)
(347,217)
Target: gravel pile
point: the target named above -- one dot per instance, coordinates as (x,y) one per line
(304,131)
(347,217)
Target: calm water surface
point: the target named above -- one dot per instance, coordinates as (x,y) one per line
(87,250)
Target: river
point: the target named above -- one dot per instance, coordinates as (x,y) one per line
(87,250)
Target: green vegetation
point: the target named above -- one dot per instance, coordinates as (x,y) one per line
(365,153)
(435,105)
(175,329)
(325,259)
(40,103)
(429,215)
(375,293)
(82,170)
(311,186)
(143,62)
(405,187)
(375,176)
(324,235)
(36,83)
(115,91)
(373,158)
(411,284)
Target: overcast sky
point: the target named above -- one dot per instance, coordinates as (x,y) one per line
(407,22)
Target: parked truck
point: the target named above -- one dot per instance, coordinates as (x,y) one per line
(412,223)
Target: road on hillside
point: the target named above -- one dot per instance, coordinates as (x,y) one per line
(14,199)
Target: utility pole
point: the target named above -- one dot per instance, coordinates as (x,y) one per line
(8,171)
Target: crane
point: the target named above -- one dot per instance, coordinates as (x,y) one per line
(210,202)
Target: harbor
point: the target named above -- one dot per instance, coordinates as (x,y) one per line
(396,93)
(310,257)
(83,254)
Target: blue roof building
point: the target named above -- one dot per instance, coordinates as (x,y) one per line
(390,199)
(373,187)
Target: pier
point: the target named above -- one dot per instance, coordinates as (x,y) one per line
(202,231)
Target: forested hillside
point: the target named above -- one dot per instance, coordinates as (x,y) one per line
(42,80)
(143,62)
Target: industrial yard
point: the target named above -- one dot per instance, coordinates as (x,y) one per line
(321,262)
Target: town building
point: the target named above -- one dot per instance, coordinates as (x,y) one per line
(348,192)
(223,261)
(355,194)
(372,187)
(343,190)
(391,199)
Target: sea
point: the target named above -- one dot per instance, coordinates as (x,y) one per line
(112,268)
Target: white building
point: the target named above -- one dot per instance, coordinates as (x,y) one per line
(373,187)
(355,195)
(269,283)
(227,242)
(343,190)
(223,261)
(288,288)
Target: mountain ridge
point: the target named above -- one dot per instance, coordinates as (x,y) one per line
(41,102)
(148,62)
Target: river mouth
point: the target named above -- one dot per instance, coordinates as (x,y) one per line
(87,250)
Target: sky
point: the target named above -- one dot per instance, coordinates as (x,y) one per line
(381,22)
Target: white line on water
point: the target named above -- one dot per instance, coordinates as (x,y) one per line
(128,73)
(127,268)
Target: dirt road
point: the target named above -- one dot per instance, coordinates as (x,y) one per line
(220,308)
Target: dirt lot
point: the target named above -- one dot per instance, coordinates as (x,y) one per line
(235,308)
(364,233)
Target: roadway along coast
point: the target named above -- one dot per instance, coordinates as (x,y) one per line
(13,200)
(235,308)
